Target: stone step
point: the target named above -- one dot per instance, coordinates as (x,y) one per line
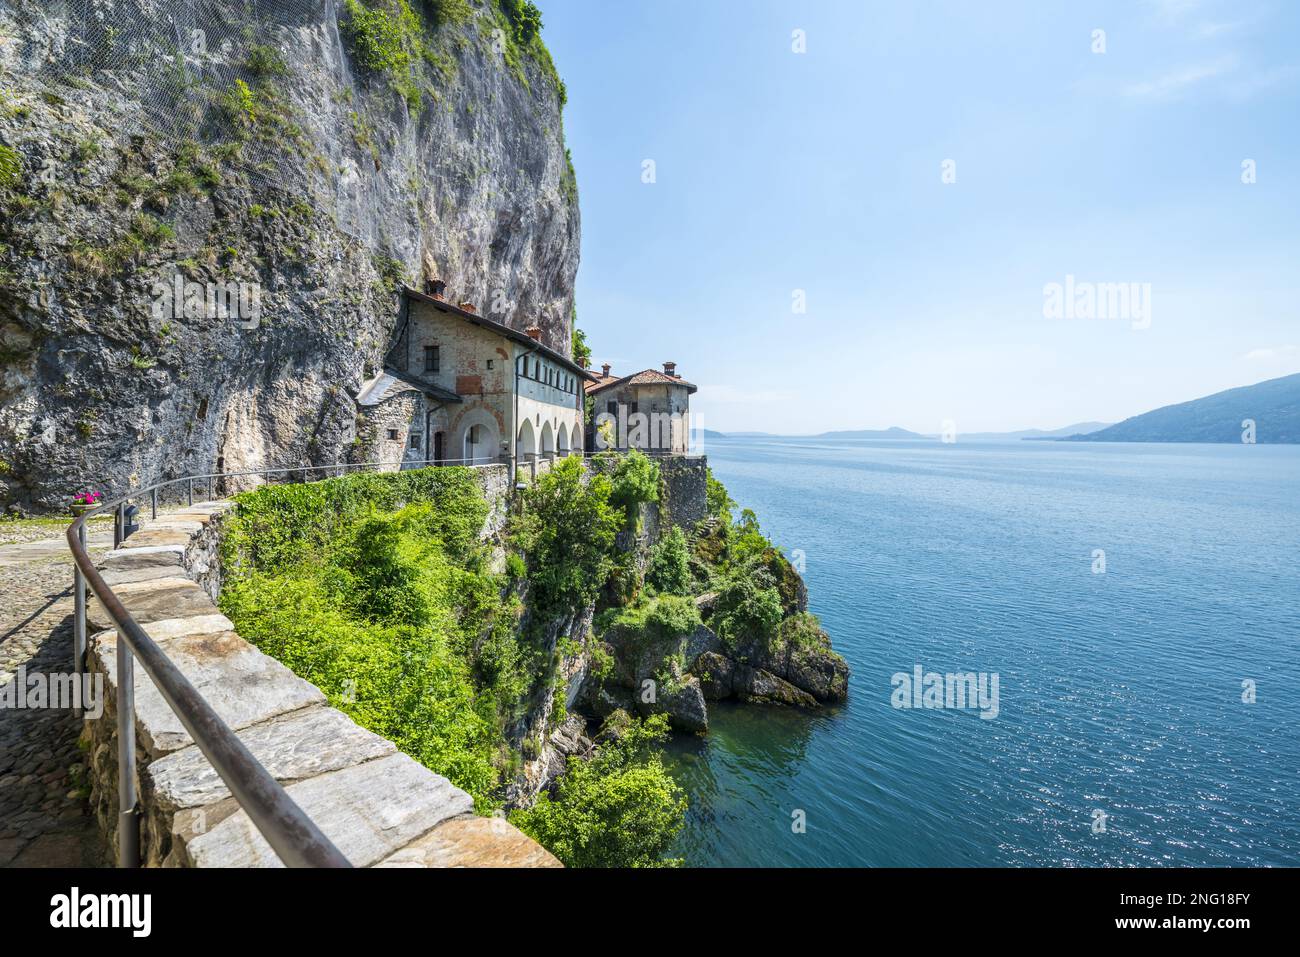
(241,684)
(369,811)
(472,842)
(292,747)
(153,600)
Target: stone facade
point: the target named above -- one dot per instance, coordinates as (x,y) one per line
(479,391)
(648,410)
(378,806)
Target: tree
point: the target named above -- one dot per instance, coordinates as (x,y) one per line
(618,809)
(581,351)
(566,532)
(748,609)
(633,482)
(669,569)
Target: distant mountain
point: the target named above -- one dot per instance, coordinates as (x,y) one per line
(891,433)
(1274,406)
(1079,428)
(710,434)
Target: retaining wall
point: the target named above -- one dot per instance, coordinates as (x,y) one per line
(380,807)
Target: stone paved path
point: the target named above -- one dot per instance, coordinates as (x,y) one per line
(45,820)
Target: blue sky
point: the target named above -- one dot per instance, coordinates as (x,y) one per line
(777,171)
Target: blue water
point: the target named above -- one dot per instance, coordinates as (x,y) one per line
(1119,692)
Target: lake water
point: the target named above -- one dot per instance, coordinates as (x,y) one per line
(1120,694)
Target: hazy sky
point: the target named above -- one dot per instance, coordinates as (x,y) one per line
(823,171)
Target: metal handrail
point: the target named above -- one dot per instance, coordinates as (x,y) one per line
(290,832)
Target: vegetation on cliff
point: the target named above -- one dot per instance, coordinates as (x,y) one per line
(379,590)
(618,809)
(376,589)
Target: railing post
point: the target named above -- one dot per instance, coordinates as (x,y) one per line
(190,485)
(79,612)
(128,824)
(119,523)
(153,503)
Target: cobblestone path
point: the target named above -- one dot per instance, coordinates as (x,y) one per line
(44,817)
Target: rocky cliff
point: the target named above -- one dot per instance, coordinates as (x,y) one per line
(310,153)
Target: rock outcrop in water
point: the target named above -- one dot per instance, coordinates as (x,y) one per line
(659,670)
(300,171)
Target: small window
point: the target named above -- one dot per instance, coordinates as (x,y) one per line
(631,408)
(432,359)
(611,408)
(489,365)
(472,435)
(392,435)
(415,441)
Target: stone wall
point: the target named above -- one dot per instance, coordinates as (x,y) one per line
(685,502)
(380,807)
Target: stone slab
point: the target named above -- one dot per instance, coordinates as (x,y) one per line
(473,842)
(368,811)
(159,536)
(294,746)
(148,556)
(199,518)
(169,578)
(241,684)
(154,601)
(114,577)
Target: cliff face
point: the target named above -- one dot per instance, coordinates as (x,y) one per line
(278,147)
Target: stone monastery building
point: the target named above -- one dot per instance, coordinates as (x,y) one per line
(460,388)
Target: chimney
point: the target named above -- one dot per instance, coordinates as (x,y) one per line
(435,288)
(604,370)
(534,332)
(467,306)
(670,369)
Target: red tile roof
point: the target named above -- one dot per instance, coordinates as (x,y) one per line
(644,377)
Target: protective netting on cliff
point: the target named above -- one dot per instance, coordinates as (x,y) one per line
(201,71)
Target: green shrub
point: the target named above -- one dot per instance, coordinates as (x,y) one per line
(663,618)
(719,502)
(748,609)
(634,480)
(619,809)
(525,18)
(404,683)
(375,587)
(669,567)
(384,33)
(265,62)
(11,167)
(566,530)
(581,351)
(673,615)
(802,630)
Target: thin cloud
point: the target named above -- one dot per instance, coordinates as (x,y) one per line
(1177,81)
(1271,353)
